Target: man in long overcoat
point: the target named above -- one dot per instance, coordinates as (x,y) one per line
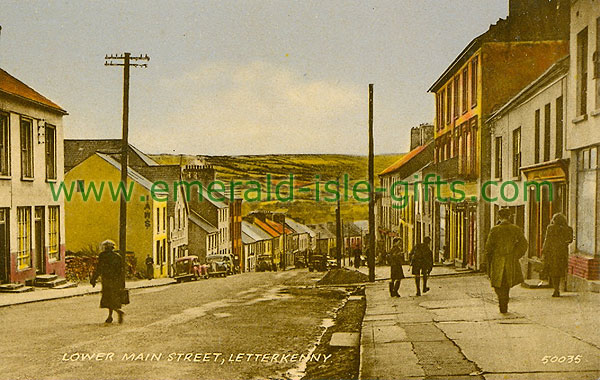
(110,268)
(504,247)
(556,250)
(421,260)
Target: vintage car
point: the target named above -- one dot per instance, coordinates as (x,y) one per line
(220,265)
(189,268)
(264,263)
(332,263)
(317,262)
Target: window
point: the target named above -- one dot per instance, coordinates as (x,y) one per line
(547,132)
(4,145)
(157,220)
(164,219)
(474,82)
(582,71)
(449,103)
(50,151)
(516,151)
(559,128)
(465,78)
(26,148)
(443,109)
(586,199)
(536,150)
(456,83)
(53,232)
(24,237)
(80,185)
(498,157)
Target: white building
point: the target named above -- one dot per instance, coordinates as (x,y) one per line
(529,159)
(31,160)
(583,139)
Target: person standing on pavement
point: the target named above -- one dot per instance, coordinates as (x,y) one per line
(110,268)
(395,258)
(556,250)
(421,260)
(504,247)
(149,267)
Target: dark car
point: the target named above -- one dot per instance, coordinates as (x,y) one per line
(189,268)
(263,263)
(219,265)
(318,263)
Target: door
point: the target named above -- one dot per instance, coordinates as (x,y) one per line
(40,241)
(4,246)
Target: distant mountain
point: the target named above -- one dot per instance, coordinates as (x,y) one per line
(305,168)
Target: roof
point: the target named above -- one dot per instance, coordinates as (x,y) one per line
(406,158)
(12,86)
(201,222)
(265,227)
(321,231)
(362,224)
(278,227)
(135,176)
(351,229)
(254,232)
(246,239)
(168,173)
(77,150)
(299,227)
(557,70)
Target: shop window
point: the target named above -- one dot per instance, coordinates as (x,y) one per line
(23,237)
(4,145)
(53,233)
(586,199)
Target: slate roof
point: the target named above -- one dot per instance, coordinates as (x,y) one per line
(201,222)
(14,87)
(299,227)
(254,232)
(77,150)
(135,176)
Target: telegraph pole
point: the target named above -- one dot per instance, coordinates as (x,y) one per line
(371,258)
(125,61)
(339,237)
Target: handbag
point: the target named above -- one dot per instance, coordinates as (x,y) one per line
(125,296)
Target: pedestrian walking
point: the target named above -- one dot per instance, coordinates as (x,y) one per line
(110,268)
(556,250)
(421,260)
(504,247)
(395,258)
(149,267)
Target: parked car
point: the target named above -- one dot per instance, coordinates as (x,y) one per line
(219,265)
(332,263)
(189,268)
(264,263)
(317,262)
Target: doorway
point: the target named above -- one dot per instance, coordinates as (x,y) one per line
(4,246)
(40,242)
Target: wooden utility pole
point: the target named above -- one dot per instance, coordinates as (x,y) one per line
(371,258)
(338,228)
(126,59)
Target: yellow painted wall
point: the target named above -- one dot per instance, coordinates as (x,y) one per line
(90,222)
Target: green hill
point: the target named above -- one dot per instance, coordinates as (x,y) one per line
(305,168)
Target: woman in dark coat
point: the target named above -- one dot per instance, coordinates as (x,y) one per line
(110,268)
(556,250)
(395,258)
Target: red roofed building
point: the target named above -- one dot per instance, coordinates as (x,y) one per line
(31,161)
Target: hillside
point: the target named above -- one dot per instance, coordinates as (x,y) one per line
(305,168)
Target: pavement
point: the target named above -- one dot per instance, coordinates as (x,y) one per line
(455,331)
(43,294)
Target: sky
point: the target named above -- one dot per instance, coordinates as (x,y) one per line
(242,77)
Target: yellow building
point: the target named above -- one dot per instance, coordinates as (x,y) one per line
(91,195)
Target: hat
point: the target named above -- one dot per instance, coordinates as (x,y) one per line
(107,243)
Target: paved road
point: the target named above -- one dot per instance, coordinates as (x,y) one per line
(218,328)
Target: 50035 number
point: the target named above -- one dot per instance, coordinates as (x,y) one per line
(562,359)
